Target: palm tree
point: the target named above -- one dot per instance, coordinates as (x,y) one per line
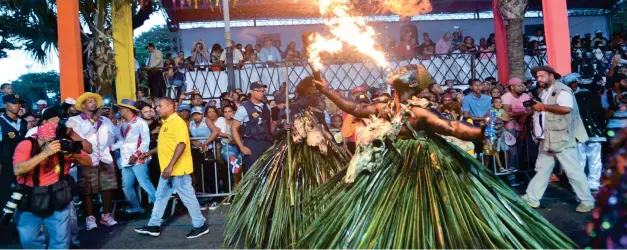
(33,23)
(513,12)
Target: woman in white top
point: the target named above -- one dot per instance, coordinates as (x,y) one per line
(230,152)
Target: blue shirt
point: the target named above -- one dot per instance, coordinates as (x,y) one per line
(478,107)
(619,119)
(1,101)
(269,54)
(241,115)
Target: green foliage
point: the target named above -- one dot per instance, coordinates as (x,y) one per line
(163,39)
(36,86)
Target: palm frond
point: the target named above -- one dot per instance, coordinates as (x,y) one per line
(432,196)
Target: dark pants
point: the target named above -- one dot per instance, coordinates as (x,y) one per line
(156,83)
(7,178)
(257,148)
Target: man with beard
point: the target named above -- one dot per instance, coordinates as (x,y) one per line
(558,128)
(93,125)
(12,132)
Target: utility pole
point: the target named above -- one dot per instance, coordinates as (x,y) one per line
(229,45)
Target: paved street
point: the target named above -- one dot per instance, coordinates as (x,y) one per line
(555,208)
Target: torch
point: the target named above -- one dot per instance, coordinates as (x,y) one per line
(308,37)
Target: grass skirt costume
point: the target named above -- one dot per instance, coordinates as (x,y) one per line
(267,209)
(420,192)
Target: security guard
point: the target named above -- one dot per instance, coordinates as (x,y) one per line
(255,118)
(12,131)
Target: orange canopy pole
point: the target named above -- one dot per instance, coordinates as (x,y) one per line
(70,51)
(557,34)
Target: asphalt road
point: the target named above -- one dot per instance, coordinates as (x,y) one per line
(558,207)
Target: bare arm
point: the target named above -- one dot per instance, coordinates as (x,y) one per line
(431,122)
(235,133)
(81,159)
(351,107)
(214,132)
(28,165)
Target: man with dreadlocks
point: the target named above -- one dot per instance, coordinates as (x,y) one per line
(406,187)
(267,211)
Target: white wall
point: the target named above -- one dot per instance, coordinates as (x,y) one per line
(387,31)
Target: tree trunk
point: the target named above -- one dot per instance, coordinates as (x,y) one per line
(515,49)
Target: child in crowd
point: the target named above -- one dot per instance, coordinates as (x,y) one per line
(497,105)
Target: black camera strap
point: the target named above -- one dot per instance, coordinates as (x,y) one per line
(36,171)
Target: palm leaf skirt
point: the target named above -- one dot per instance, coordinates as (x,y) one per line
(262,214)
(433,195)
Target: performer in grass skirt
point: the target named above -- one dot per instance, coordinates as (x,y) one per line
(407,187)
(267,209)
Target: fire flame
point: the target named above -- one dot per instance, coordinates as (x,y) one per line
(353,30)
(347,28)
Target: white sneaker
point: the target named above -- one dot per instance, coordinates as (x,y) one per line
(107,220)
(90,223)
(213,206)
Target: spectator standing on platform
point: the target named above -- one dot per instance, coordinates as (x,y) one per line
(269,53)
(154,64)
(134,141)
(255,119)
(200,56)
(405,50)
(237,57)
(513,105)
(12,131)
(174,150)
(598,37)
(409,27)
(93,125)
(38,165)
(557,127)
(277,45)
(443,46)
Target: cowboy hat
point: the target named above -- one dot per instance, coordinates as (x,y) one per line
(129,104)
(547,69)
(85,96)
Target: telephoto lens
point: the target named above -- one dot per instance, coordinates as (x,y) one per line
(9,208)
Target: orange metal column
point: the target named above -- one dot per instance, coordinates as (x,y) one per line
(70,52)
(557,34)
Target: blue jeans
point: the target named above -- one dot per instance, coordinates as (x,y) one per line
(129,175)
(30,227)
(229,150)
(185,190)
(513,150)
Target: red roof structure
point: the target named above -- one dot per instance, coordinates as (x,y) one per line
(190,11)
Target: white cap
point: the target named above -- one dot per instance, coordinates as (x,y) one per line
(598,31)
(70,100)
(41,102)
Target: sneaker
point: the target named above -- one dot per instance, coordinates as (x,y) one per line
(213,206)
(197,232)
(584,208)
(149,230)
(129,210)
(90,223)
(503,170)
(107,220)
(529,202)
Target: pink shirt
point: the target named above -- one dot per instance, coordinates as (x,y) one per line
(517,107)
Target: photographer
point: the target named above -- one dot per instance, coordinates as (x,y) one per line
(614,101)
(557,128)
(41,167)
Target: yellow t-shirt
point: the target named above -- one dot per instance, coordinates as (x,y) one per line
(174,131)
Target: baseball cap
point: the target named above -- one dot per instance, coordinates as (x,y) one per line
(184,107)
(257,85)
(196,111)
(50,113)
(41,102)
(515,81)
(14,98)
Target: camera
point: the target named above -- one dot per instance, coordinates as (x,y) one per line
(67,144)
(9,209)
(529,103)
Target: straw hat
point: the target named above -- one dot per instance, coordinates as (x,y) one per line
(85,96)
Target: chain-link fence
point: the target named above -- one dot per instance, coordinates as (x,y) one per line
(212,80)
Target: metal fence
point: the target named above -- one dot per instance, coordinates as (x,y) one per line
(212,80)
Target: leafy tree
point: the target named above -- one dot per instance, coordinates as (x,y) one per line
(36,86)
(163,39)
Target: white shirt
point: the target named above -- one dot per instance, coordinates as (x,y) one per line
(237,56)
(31,132)
(100,136)
(136,139)
(224,128)
(564,99)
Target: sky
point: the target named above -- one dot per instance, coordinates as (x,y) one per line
(19,62)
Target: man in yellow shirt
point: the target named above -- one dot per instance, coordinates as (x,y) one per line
(175,160)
